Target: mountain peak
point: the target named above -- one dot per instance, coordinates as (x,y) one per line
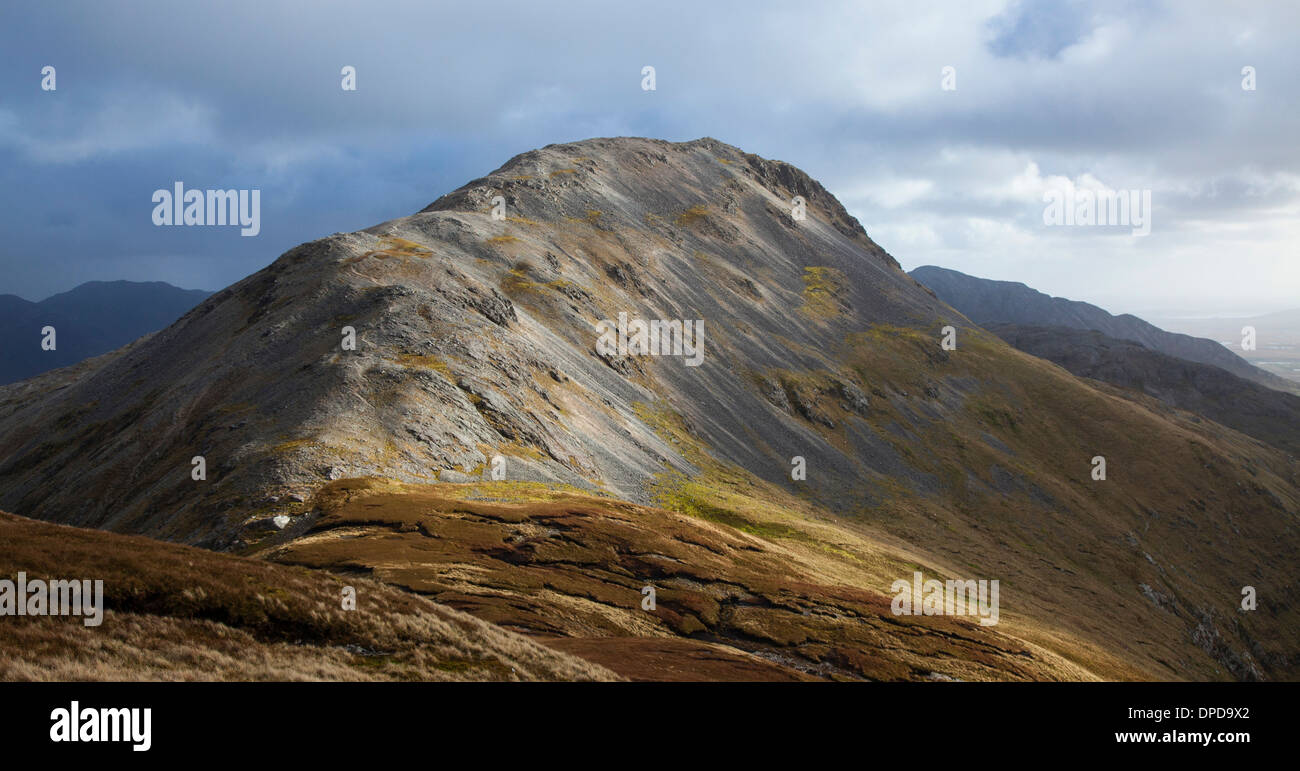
(457,309)
(641,175)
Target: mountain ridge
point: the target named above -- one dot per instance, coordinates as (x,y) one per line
(1268,415)
(90,319)
(987,301)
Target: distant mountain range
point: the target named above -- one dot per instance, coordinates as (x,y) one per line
(1212,392)
(986,302)
(94,318)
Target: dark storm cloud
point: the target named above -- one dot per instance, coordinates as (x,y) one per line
(247,94)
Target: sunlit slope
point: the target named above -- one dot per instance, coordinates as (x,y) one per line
(794,598)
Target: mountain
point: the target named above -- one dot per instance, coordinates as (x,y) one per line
(986,302)
(92,319)
(1268,415)
(811,446)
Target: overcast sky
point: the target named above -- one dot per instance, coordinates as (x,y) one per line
(1049,95)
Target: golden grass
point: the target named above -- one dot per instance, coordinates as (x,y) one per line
(592,217)
(822,292)
(391,247)
(426,361)
(691,215)
(179,613)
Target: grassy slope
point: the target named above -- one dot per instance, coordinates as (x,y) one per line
(562,564)
(1190,509)
(179,613)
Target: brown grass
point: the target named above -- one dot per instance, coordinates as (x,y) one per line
(691,215)
(568,565)
(179,613)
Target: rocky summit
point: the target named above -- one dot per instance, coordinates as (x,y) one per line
(622,365)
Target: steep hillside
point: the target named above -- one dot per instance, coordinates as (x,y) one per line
(1268,415)
(986,302)
(479,337)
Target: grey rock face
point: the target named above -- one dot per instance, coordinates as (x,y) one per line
(476,336)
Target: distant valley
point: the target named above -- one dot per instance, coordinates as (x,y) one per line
(1277,338)
(986,301)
